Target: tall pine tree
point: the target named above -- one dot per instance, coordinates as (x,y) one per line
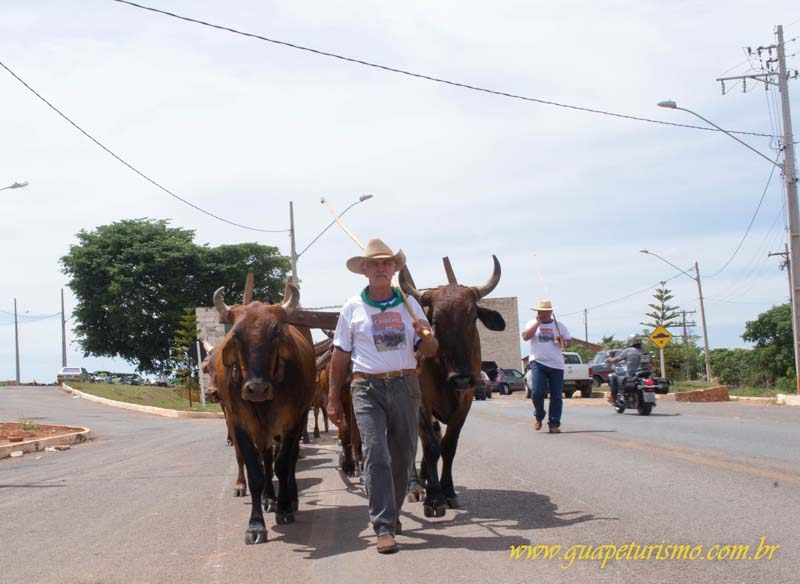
(663,314)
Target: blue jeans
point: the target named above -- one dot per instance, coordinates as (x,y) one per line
(614,381)
(544,377)
(386,412)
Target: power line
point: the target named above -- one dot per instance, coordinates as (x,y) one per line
(131,167)
(631,295)
(749,226)
(427,77)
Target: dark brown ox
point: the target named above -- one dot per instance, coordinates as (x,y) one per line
(265,372)
(448,379)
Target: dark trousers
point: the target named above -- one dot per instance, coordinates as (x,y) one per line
(547,378)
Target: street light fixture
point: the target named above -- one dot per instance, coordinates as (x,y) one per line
(294,254)
(792,210)
(696,278)
(16,185)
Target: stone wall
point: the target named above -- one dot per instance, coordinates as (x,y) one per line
(503,346)
(712,394)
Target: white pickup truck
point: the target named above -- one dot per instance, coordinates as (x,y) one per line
(577,376)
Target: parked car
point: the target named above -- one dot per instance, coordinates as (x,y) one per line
(600,369)
(73,374)
(101,377)
(577,377)
(484,387)
(509,380)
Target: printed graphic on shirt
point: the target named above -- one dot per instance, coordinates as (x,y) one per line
(546,334)
(388,331)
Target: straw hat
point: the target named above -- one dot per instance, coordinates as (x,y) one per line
(544,306)
(376,250)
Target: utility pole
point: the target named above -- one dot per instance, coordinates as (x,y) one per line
(703,320)
(295,281)
(789,173)
(63,332)
(586,324)
(784,264)
(16,338)
(685,324)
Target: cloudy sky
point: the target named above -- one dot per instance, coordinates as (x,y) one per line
(241,127)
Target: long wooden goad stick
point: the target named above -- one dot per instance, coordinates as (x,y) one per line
(547,291)
(403,297)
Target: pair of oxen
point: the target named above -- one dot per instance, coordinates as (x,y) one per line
(265,373)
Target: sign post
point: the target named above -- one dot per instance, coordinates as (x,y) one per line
(661,338)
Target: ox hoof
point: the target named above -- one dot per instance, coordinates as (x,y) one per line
(415,494)
(255,535)
(453,503)
(239,491)
(284,517)
(431,511)
(271,506)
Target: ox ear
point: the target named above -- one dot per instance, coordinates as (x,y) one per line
(228,349)
(491,319)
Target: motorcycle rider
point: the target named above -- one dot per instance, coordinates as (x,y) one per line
(632,357)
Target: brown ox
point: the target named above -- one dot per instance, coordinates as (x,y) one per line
(265,372)
(448,379)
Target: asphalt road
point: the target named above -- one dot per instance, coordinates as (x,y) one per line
(150,499)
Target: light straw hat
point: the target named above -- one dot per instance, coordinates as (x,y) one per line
(376,250)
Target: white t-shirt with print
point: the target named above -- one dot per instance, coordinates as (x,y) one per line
(379,341)
(544,347)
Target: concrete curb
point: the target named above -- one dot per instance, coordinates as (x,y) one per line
(788,400)
(80,434)
(137,408)
(753,399)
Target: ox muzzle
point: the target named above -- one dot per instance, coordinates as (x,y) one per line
(257,390)
(460,381)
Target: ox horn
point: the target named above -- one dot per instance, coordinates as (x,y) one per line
(207,346)
(407,283)
(292,298)
(448,269)
(486,289)
(222,308)
(249,284)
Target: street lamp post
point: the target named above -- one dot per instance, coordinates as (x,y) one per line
(696,278)
(792,211)
(16,185)
(294,254)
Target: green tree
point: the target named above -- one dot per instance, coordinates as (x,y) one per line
(608,342)
(133,278)
(662,314)
(773,355)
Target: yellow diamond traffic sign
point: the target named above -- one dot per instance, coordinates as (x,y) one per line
(660,337)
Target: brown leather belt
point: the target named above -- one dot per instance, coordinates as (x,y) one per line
(386,375)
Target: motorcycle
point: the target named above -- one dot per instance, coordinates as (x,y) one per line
(639,390)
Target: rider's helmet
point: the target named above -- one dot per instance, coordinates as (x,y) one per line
(634,340)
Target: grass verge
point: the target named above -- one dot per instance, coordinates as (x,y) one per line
(145,395)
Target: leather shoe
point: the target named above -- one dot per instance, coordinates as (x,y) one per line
(555,430)
(537,425)
(387,544)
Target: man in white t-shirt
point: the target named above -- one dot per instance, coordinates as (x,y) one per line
(548,338)
(377,336)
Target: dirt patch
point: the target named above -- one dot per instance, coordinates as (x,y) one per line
(10,432)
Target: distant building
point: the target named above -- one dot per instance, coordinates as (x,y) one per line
(503,346)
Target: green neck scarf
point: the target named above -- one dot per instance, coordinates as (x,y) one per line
(382,306)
